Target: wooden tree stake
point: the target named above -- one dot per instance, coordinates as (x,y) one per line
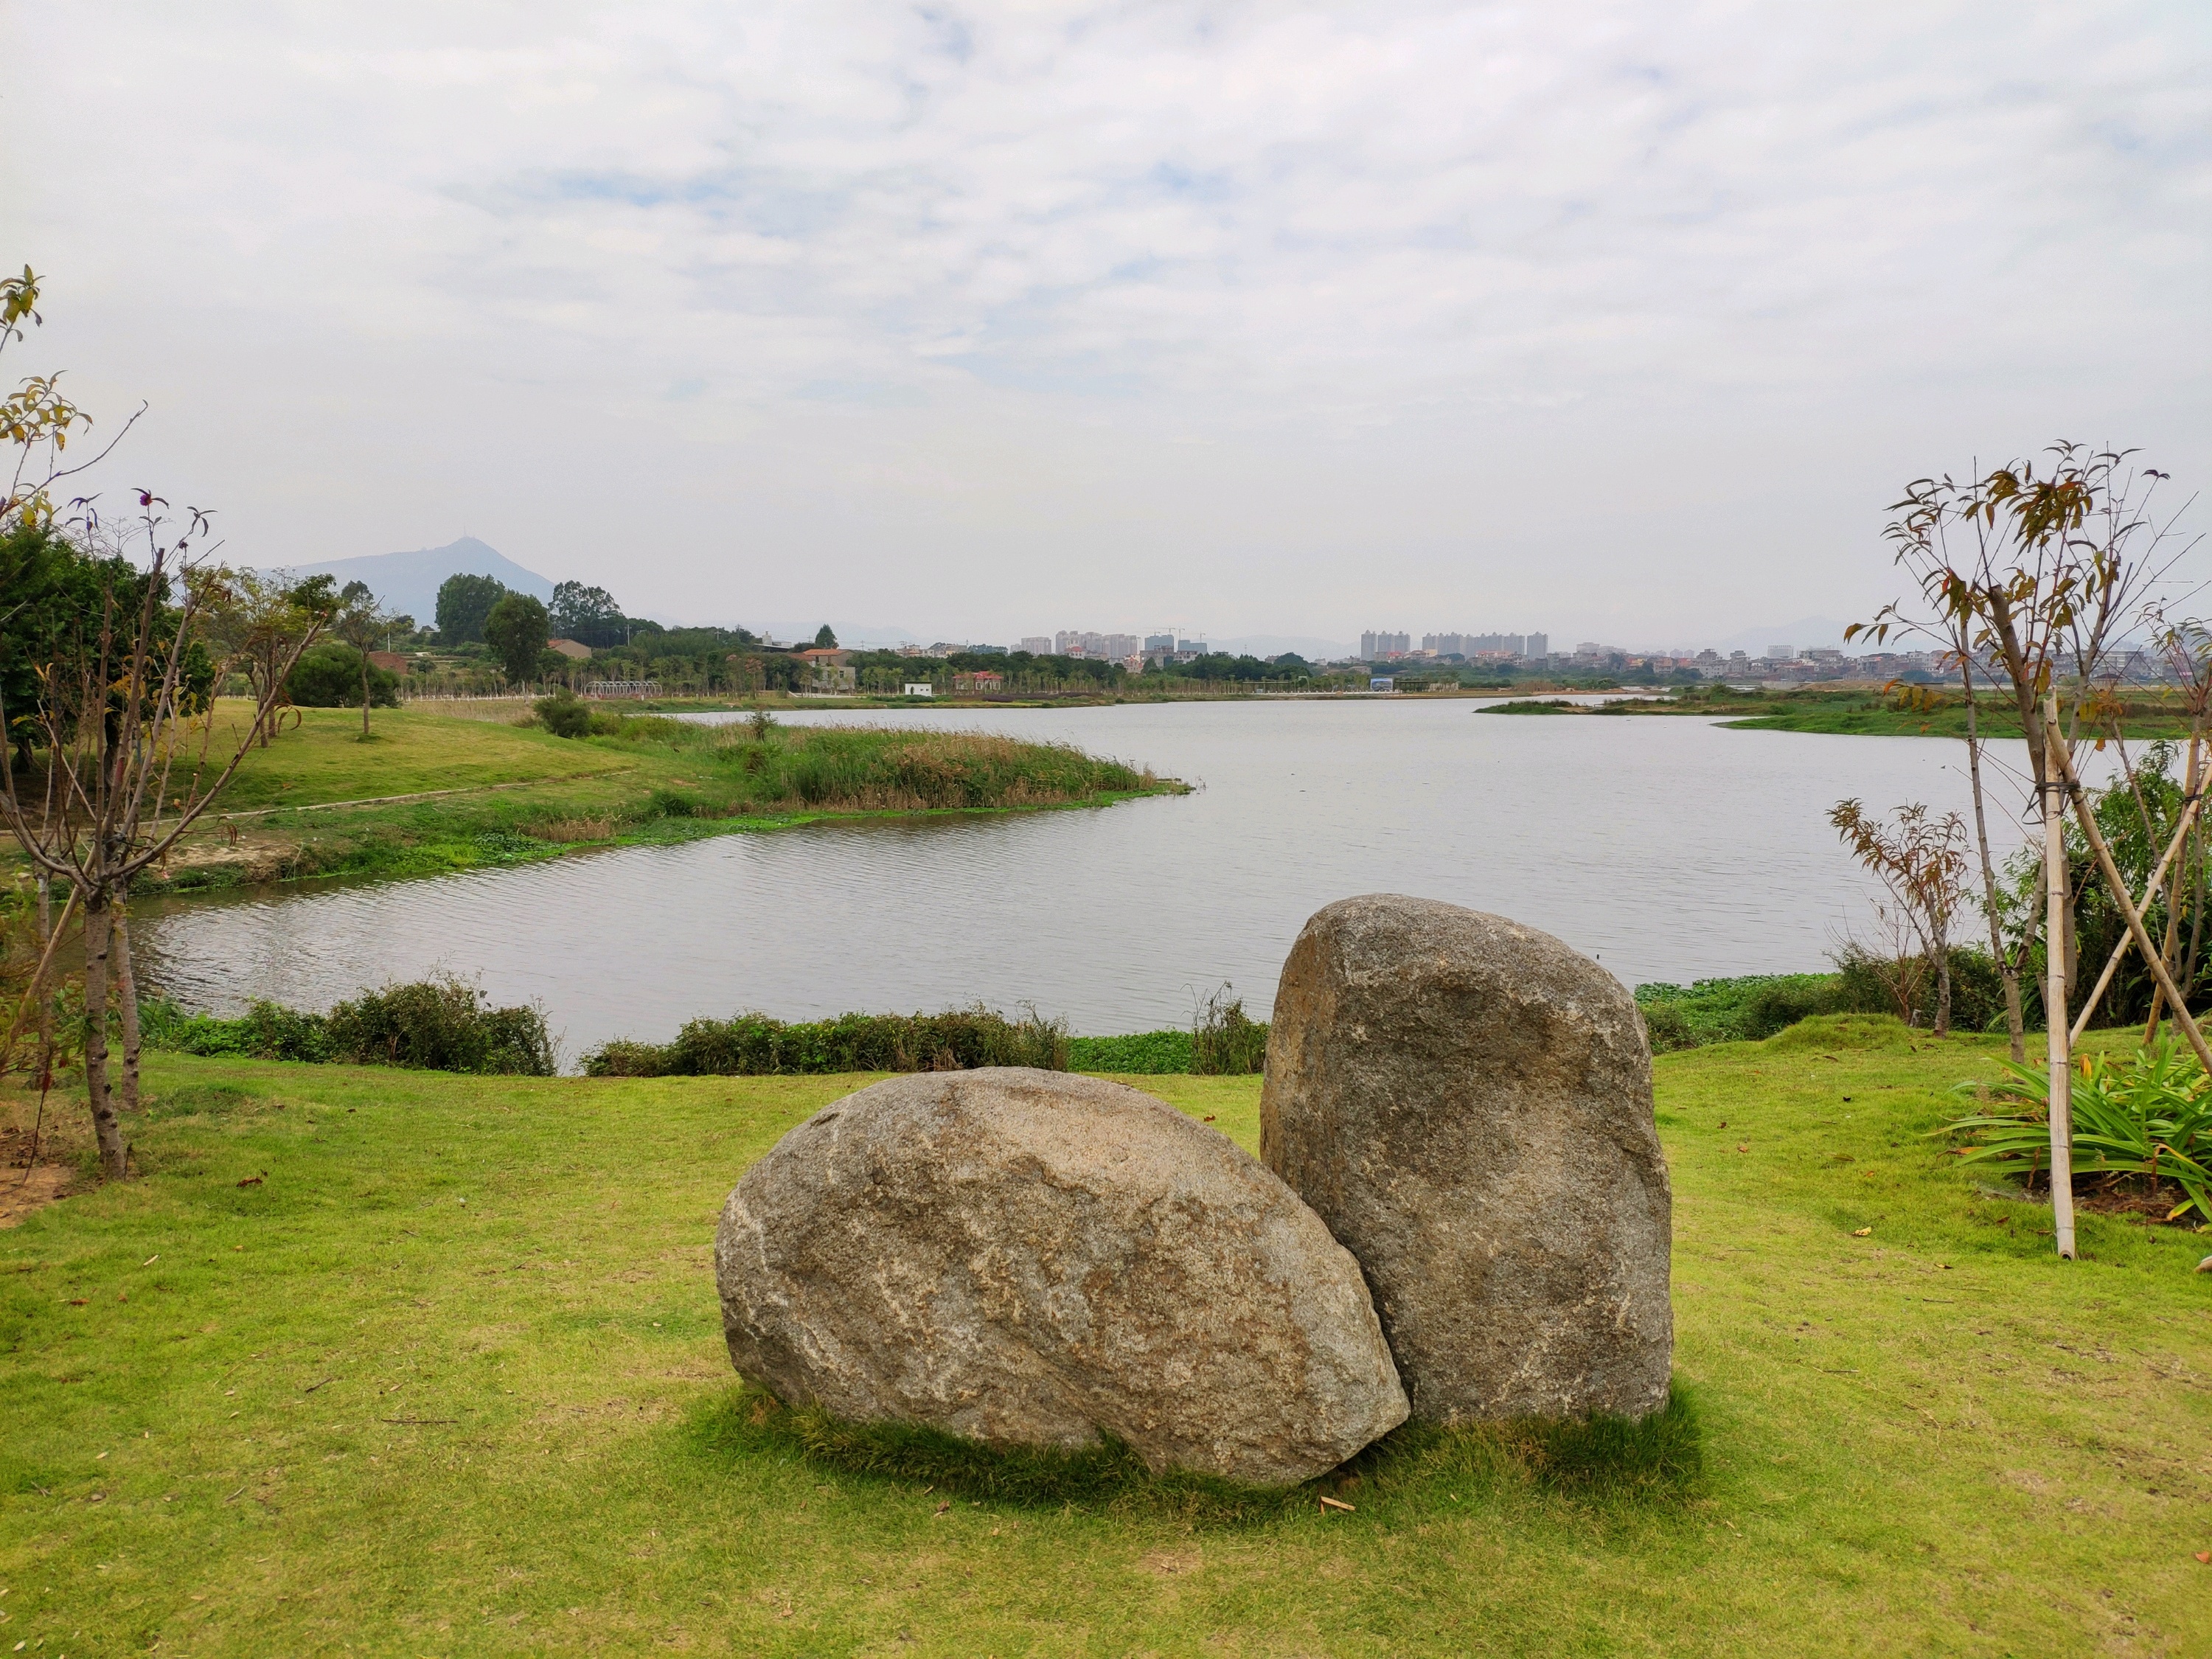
(2054,985)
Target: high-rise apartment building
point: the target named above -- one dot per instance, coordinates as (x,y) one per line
(1374,645)
(1037,645)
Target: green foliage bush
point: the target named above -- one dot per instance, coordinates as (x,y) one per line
(267,1031)
(1146,1053)
(1745,1009)
(564,714)
(328,676)
(667,804)
(753,1045)
(439,1025)
(1977,991)
(1753,1007)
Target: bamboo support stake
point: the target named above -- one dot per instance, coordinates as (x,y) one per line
(2088,820)
(2170,947)
(2054,989)
(2127,940)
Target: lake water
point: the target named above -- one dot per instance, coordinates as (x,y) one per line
(1668,849)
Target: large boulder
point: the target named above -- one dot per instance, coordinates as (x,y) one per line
(1467,1105)
(1029,1257)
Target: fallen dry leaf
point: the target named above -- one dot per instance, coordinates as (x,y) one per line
(251,1181)
(1860,1232)
(2205,1556)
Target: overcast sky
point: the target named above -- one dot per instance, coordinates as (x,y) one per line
(1622,321)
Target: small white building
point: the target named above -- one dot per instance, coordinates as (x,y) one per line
(920,688)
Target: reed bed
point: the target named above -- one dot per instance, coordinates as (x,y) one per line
(774,769)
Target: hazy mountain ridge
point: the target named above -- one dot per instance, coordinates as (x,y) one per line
(409,581)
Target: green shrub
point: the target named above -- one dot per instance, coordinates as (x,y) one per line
(1753,1007)
(1977,989)
(564,714)
(1667,1026)
(1745,1009)
(754,1045)
(441,1025)
(267,1030)
(667,804)
(1224,1042)
(1147,1053)
(328,676)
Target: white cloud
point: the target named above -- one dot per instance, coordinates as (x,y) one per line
(988,319)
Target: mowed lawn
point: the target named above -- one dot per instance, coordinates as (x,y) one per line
(318,756)
(449,1379)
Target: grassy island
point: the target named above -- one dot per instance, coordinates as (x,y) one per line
(1854,710)
(428,793)
(398,1362)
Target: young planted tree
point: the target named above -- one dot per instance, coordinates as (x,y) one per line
(362,623)
(2029,572)
(1922,862)
(130,762)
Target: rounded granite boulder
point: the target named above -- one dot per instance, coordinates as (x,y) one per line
(1031,1257)
(1467,1103)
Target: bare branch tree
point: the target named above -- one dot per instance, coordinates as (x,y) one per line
(1922,864)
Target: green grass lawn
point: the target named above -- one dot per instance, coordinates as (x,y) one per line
(323,759)
(489,792)
(449,1379)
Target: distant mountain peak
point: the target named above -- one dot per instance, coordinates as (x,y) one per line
(409,581)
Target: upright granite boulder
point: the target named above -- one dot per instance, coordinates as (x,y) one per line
(1030,1257)
(1467,1103)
